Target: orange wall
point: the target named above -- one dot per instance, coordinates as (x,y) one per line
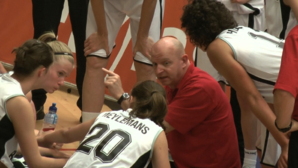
(16,27)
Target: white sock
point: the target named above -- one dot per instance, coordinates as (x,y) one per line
(250,158)
(86,116)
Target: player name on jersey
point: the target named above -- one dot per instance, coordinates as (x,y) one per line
(127,121)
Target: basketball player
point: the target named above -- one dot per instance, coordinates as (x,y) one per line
(46,17)
(248,13)
(124,138)
(104,20)
(37,65)
(248,59)
(196,118)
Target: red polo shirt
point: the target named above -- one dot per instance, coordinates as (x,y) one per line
(204,134)
(288,75)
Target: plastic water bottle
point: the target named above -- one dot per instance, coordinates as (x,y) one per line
(50,119)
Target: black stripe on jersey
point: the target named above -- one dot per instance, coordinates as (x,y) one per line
(256,10)
(285,15)
(161,13)
(251,15)
(6,132)
(264,151)
(261,80)
(196,57)
(142,161)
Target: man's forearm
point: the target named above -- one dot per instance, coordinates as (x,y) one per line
(263,112)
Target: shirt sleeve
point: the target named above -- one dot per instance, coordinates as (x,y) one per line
(189,108)
(287,79)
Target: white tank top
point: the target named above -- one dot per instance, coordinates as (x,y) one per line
(116,140)
(9,88)
(260,55)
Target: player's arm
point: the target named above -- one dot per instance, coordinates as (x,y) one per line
(221,57)
(98,40)
(113,83)
(2,69)
(160,157)
(67,135)
(283,107)
(20,113)
(148,9)
(294,6)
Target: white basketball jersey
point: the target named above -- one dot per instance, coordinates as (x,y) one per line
(280,19)
(9,88)
(116,140)
(242,13)
(260,55)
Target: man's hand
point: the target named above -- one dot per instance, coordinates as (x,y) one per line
(113,83)
(95,42)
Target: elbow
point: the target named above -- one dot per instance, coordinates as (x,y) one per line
(250,100)
(66,136)
(36,163)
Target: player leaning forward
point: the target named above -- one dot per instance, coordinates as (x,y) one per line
(249,60)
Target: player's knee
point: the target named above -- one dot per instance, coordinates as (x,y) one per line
(140,58)
(95,63)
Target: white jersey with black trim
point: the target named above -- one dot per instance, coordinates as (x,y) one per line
(250,15)
(280,19)
(242,8)
(260,55)
(9,88)
(116,140)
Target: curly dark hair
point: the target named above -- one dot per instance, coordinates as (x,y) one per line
(203,20)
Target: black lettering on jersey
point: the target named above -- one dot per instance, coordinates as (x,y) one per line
(124,120)
(278,43)
(145,130)
(12,155)
(129,122)
(115,115)
(234,30)
(134,124)
(140,126)
(86,148)
(108,115)
(118,118)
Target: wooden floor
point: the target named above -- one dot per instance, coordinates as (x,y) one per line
(68,113)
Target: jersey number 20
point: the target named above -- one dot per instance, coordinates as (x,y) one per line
(109,147)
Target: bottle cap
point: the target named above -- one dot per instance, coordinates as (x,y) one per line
(53,107)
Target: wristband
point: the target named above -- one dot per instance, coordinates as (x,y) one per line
(283,129)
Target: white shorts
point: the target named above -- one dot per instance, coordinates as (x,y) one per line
(268,145)
(244,13)
(116,12)
(257,21)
